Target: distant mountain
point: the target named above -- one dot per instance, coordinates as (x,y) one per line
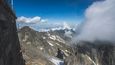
(42,45)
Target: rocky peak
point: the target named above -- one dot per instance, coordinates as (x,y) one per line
(42,45)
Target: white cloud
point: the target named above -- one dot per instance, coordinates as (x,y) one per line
(66,26)
(68,34)
(61,26)
(44,20)
(99,23)
(32,20)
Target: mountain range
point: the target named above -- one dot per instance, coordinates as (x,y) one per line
(41,46)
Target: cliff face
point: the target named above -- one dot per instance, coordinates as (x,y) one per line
(10,53)
(96,53)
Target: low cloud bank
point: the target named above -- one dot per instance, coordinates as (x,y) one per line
(32,20)
(99,23)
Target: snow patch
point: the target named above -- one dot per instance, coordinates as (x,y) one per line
(41,48)
(60,39)
(44,37)
(25,38)
(59,45)
(56,61)
(53,37)
(50,43)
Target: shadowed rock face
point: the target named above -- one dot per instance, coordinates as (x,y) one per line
(97,53)
(9,44)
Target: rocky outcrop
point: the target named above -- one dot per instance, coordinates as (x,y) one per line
(41,46)
(10,53)
(96,53)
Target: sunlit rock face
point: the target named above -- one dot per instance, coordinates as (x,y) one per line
(97,53)
(39,47)
(9,44)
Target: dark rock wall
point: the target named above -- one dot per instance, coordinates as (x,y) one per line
(10,53)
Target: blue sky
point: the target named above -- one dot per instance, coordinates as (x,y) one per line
(71,11)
